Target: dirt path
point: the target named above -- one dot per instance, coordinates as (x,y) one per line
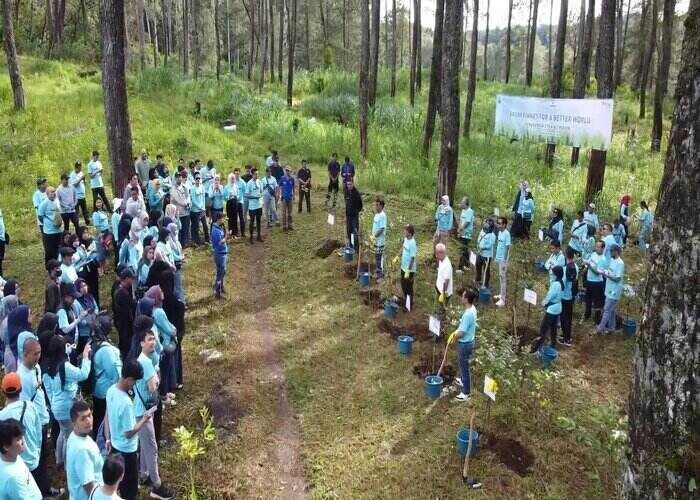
(288,467)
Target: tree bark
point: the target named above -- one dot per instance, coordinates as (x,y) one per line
(392,90)
(374,52)
(419,55)
(264,36)
(306,33)
(11,53)
(217,38)
(583,65)
(113,24)
(508,39)
(291,42)
(641,43)
(197,37)
(414,51)
(531,45)
(617,76)
(662,74)
(434,94)
(486,41)
(648,57)
(55,16)
(604,78)
(449,108)
(624,35)
(185,37)
(271,32)
(557,68)
(549,44)
(363,90)
(471,80)
(663,402)
(280,52)
(153,24)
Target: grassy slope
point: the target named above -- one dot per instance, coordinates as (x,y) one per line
(365,430)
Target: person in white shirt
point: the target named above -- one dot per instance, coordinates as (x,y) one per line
(444,282)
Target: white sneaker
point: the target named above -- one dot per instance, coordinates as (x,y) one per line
(458,381)
(501,303)
(461,397)
(496,297)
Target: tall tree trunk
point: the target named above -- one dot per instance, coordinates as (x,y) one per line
(374,51)
(140,32)
(604,78)
(624,36)
(392,90)
(419,55)
(527,34)
(363,90)
(217,38)
(648,57)
(197,36)
(486,41)
(662,74)
(264,36)
(580,33)
(557,68)
(386,33)
(344,20)
(55,15)
(508,39)
(531,45)
(306,34)
(291,45)
(228,37)
(251,52)
(663,402)
(434,94)
(186,37)
(449,108)
(280,52)
(324,28)
(414,52)
(113,23)
(11,53)
(154,37)
(271,31)
(583,65)
(165,13)
(618,42)
(549,44)
(643,22)
(471,80)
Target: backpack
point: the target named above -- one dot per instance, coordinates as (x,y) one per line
(89,384)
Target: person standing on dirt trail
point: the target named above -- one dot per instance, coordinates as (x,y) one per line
(97,185)
(484,244)
(614,279)
(567,297)
(16,482)
(465,334)
(77,180)
(333,173)
(286,187)
(502,258)
(38,197)
(444,284)
(409,258)
(142,166)
(197,210)
(270,193)
(556,258)
(444,220)
(220,250)
(254,194)
(67,201)
(379,226)
(552,310)
(353,207)
(625,216)
(347,172)
(465,231)
(579,233)
(304,180)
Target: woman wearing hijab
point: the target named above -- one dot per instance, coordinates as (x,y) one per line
(7,305)
(556,226)
(142,269)
(444,219)
(528,213)
(167,334)
(131,251)
(175,311)
(178,261)
(85,301)
(12,325)
(625,215)
(70,314)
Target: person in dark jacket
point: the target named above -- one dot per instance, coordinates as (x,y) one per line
(175,311)
(353,207)
(52,292)
(220,249)
(124,308)
(517,228)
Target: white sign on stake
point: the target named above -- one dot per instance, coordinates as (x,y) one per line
(331,219)
(472,258)
(530,296)
(490,387)
(540,235)
(496,212)
(434,325)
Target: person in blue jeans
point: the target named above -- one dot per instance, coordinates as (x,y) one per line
(465,335)
(552,310)
(220,249)
(614,279)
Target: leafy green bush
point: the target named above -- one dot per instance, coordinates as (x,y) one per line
(340,108)
(158,79)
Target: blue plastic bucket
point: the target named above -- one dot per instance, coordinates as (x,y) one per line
(484,295)
(629,327)
(348,254)
(390,309)
(433,386)
(364,279)
(539,267)
(405,344)
(463,437)
(549,354)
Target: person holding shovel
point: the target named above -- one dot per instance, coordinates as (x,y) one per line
(464,335)
(444,282)
(409,255)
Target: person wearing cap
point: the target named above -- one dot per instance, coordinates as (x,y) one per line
(52,291)
(270,190)
(38,197)
(83,459)
(16,481)
(61,380)
(503,243)
(590,216)
(220,250)
(97,185)
(67,201)
(77,179)
(444,220)
(107,365)
(614,280)
(142,166)
(52,233)
(253,196)
(409,259)
(304,178)
(197,214)
(286,187)
(124,307)
(121,428)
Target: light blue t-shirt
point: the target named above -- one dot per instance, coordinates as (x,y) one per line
(242,188)
(141,392)
(46,213)
(16,482)
(646,219)
(32,391)
(61,397)
(467,325)
(553,298)
(466,220)
(567,293)
(108,369)
(528,208)
(95,173)
(116,217)
(619,234)
(485,244)
(83,465)
(599,263)
(269,185)
(216,196)
(502,246)
(379,224)
(37,198)
(591,218)
(559,229)
(32,430)
(253,194)
(554,260)
(78,186)
(609,241)
(197,198)
(100,220)
(444,217)
(165,328)
(410,250)
(616,269)
(588,248)
(579,233)
(120,412)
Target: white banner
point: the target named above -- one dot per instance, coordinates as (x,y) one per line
(585,123)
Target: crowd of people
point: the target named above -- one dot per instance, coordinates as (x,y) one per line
(109,446)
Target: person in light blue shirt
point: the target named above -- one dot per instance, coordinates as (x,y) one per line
(254,194)
(568,295)
(619,232)
(614,279)
(589,244)
(77,179)
(61,384)
(216,194)
(409,258)
(379,226)
(107,367)
(155,195)
(608,239)
(444,221)
(131,251)
(197,211)
(270,193)
(466,333)
(16,482)
(465,231)
(484,244)
(579,233)
(528,213)
(100,218)
(83,459)
(29,372)
(591,217)
(97,185)
(647,221)
(596,265)
(556,226)
(556,258)
(502,257)
(52,233)
(26,413)
(552,310)
(38,197)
